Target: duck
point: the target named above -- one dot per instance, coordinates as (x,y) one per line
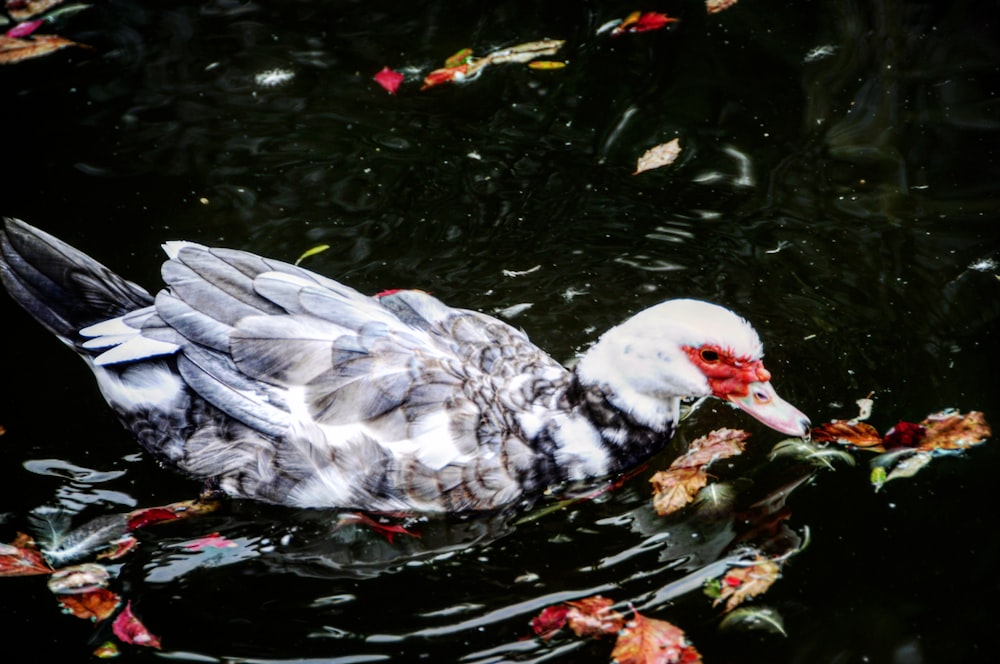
(269,382)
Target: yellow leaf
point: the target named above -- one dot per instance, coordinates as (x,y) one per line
(546,64)
(312,252)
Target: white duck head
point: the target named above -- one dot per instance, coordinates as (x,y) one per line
(686,348)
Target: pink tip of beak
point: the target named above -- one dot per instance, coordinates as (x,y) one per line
(762,402)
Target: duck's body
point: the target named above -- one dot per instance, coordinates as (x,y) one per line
(277,384)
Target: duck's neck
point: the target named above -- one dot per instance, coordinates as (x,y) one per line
(628,440)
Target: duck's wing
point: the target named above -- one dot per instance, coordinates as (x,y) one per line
(395,394)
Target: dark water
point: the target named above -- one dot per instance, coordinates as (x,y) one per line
(838,185)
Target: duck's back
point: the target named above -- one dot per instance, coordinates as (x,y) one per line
(279,384)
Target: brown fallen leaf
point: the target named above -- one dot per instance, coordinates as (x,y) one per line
(718,444)
(593,616)
(857,434)
(660,155)
(96,605)
(676,487)
(20,10)
(651,641)
(951,430)
(13,49)
(743,582)
(716,6)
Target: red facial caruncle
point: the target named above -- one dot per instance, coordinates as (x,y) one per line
(728,375)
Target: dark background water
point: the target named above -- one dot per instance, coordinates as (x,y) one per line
(838,186)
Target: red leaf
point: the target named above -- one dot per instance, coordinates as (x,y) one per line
(904,434)
(592,616)
(445,75)
(130,629)
(96,605)
(642,22)
(22,561)
(389,79)
(550,620)
(650,641)
(24,29)
(181,510)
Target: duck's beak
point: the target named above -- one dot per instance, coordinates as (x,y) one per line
(763,402)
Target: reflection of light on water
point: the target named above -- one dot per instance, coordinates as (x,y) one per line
(273,77)
(983,265)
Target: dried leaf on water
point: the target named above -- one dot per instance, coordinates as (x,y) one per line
(642,22)
(951,430)
(13,49)
(79,579)
(651,641)
(676,487)
(464,66)
(593,616)
(745,581)
(716,6)
(180,510)
(546,64)
(660,155)
(718,444)
(130,629)
(856,434)
(97,605)
(552,619)
(389,80)
(21,10)
(22,558)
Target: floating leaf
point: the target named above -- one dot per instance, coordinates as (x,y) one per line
(107,650)
(95,605)
(897,464)
(642,22)
(743,582)
(676,487)
(119,548)
(904,434)
(20,10)
(718,444)
(319,248)
(550,620)
(462,57)
(130,629)
(857,434)
(14,50)
(390,80)
(181,510)
(650,641)
(22,559)
(445,75)
(716,6)
(593,616)
(951,430)
(24,29)
(546,64)
(79,579)
(660,155)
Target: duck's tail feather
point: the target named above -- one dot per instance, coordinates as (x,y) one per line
(63,288)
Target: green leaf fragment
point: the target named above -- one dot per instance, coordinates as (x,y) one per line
(312,252)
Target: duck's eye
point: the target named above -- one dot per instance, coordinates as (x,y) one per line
(709,355)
